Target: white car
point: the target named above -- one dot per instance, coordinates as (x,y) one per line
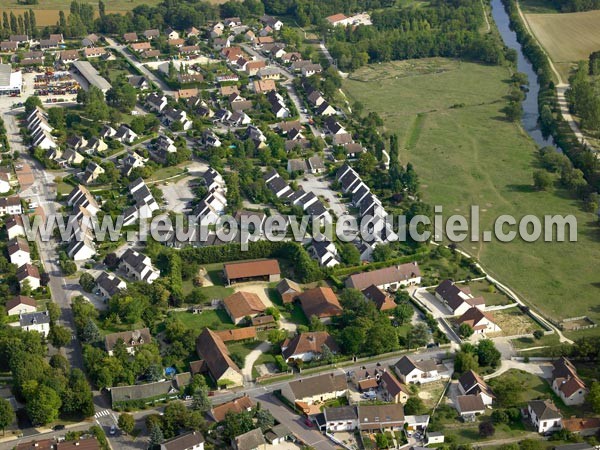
(113,430)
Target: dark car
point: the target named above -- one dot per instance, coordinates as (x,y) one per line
(58,427)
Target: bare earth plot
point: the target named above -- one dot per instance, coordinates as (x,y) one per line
(466,153)
(567,38)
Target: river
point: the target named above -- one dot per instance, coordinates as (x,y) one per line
(530,104)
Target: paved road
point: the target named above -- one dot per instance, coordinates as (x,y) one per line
(122,49)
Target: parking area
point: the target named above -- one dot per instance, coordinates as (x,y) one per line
(320,187)
(177,195)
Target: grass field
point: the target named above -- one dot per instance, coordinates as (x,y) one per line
(578,37)
(467,154)
(214,319)
(528,342)
(492,297)
(513,322)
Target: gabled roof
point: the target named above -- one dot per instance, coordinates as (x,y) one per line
(251,440)
(308,342)
(242,304)
(340,413)
(473,384)
(473,316)
(392,384)
(236,406)
(382,300)
(20,300)
(470,403)
(184,441)
(321,302)
(320,384)
(387,275)
(252,269)
(211,348)
(544,410)
(130,338)
(375,416)
(406,365)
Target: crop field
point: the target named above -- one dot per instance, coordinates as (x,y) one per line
(466,153)
(579,36)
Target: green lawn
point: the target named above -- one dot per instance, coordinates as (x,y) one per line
(493,297)
(466,153)
(211,292)
(527,342)
(214,319)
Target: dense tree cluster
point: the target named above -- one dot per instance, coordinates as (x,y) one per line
(584,98)
(472,357)
(18,24)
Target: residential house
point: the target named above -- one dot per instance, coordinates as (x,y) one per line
(252,440)
(338,20)
(90,40)
(252,67)
(341,418)
(131,340)
(325,252)
(29,273)
(278,435)
(194,440)
(457,299)
(320,302)
(10,205)
(7,46)
(18,251)
(243,304)
(20,305)
(311,69)
(567,384)
(131,162)
(140,47)
(480,321)
(157,391)
(470,383)
(321,388)
(171,33)
(544,416)
(380,418)
(109,285)
(389,278)
(470,406)
(422,371)
(588,426)
(139,82)
(94,52)
(272,22)
(151,34)
(139,266)
(277,185)
(80,197)
(237,405)
(308,346)
(125,135)
(392,390)
(130,37)
(35,321)
(218,363)
(264,86)
(92,172)
(238,334)
(14,226)
(156,102)
(192,31)
(69,56)
(383,301)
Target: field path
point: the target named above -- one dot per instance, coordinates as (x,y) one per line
(561,88)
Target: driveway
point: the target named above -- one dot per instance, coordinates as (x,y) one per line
(321,187)
(261,289)
(432,303)
(542,368)
(251,359)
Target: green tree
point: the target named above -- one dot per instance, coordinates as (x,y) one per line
(87,282)
(237,423)
(488,354)
(538,334)
(7,414)
(90,332)
(486,429)
(403,313)
(43,405)
(414,406)
(349,254)
(465,361)
(59,336)
(31,103)
(542,180)
(465,331)
(201,400)
(506,389)
(126,422)
(418,336)
(156,435)
(593,397)
(264,419)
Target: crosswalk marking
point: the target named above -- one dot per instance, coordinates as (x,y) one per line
(103,413)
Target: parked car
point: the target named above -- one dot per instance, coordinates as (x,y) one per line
(113,430)
(58,427)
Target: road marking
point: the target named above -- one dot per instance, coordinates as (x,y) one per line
(103,413)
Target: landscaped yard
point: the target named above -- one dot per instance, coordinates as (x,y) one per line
(527,342)
(216,319)
(466,153)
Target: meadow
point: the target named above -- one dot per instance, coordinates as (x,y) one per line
(466,153)
(578,37)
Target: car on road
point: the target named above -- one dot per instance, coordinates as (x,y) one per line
(308,422)
(113,430)
(58,427)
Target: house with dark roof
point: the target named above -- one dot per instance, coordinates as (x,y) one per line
(278,434)
(380,418)
(470,383)
(480,321)
(383,301)
(194,440)
(109,284)
(567,384)
(252,440)
(341,418)
(410,370)
(131,339)
(139,266)
(308,391)
(320,302)
(20,305)
(218,363)
(308,346)
(544,416)
(469,406)
(457,299)
(159,390)
(29,273)
(243,304)
(35,321)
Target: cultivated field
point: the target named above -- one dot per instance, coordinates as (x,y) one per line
(466,154)
(567,37)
